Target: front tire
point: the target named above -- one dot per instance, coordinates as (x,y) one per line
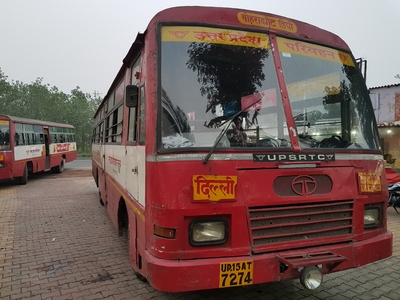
(140,276)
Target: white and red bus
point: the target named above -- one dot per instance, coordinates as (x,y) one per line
(29,146)
(239,147)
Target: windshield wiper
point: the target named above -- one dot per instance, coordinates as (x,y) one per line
(221,134)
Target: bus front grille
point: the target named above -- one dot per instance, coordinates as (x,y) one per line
(300,225)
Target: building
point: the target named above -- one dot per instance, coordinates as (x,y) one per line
(386,103)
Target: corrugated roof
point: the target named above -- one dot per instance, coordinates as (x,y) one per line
(385,86)
(389,124)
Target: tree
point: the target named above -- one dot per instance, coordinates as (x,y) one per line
(227,72)
(5,91)
(38,100)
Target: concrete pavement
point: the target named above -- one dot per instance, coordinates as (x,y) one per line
(57,242)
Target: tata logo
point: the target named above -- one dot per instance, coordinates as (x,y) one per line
(293,157)
(304,185)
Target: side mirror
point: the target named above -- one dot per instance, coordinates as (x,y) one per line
(131,96)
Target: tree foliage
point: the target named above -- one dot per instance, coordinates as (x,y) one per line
(38,100)
(226,72)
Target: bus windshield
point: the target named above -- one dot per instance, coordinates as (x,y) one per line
(4,135)
(329,103)
(208,75)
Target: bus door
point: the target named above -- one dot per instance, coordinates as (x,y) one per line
(47,147)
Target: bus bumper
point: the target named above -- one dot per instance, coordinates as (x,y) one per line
(5,174)
(200,274)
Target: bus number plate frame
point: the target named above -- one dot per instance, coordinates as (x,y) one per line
(237,273)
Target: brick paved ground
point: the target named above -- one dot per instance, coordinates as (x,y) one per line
(56,242)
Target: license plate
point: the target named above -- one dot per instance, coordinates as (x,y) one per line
(236,273)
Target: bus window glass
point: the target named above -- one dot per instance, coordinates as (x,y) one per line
(18,127)
(4,135)
(100,133)
(132,123)
(142,133)
(329,102)
(110,102)
(211,75)
(108,130)
(33,139)
(16,139)
(119,123)
(119,93)
(132,126)
(114,126)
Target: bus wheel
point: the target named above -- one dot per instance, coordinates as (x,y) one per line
(24,179)
(140,276)
(60,167)
(101,200)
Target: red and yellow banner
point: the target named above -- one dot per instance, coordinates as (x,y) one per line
(312,50)
(214,36)
(267,22)
(214,188)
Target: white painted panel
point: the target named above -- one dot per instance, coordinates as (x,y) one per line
(26,152)
(131,175)
(136,173)
(114,162)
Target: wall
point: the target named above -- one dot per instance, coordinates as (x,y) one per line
(386,103)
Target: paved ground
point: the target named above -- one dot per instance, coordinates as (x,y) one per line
(56,242)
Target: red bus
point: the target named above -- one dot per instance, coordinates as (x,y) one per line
(29,146)
(238,147)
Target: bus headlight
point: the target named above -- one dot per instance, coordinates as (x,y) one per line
(1,165)
(208,232)
(371,216)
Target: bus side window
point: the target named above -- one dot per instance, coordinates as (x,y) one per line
(142,127)
(6,138)
(133,110)
(16,139)
(132,124)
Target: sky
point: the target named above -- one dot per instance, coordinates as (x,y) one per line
(71,43)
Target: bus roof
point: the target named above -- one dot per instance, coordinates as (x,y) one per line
(35,122)
(258,20)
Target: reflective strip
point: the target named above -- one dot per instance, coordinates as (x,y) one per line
(297,166)
(349,156)
(248,156)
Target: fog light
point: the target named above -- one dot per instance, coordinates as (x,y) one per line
(311,278)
